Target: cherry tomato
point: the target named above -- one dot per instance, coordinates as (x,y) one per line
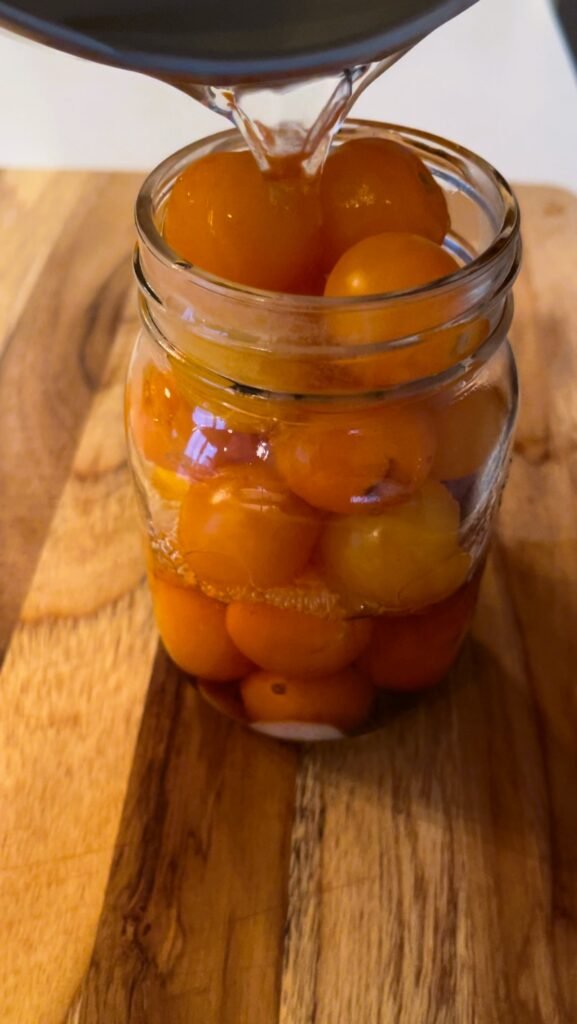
(373,185)
(402,558)
(159,417)
(193,631)
(392,263)
(356,463)
(186,441)
(292,642)
(242,527)
(409,652)
(343,700)
(227,218)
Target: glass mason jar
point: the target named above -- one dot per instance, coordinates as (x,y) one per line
(318,477)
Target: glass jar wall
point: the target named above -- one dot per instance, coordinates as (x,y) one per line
(318,477)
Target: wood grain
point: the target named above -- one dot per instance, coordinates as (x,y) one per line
(426,874)
(195,909)
(35,207)
(54,350)
(78,663)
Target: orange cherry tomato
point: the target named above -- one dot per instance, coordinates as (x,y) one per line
(392,263)
(373,185)
(385,263)
(159,417)
(402,558)
(242,527)
(343,700)
(186,441)
(193,631)
(469,427)
(226,217)
(294,643)
(409,652)
(356,463)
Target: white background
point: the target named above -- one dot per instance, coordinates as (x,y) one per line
(498,79)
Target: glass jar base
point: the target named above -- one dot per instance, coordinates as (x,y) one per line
(388,704)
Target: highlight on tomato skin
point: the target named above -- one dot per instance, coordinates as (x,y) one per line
(376,185)
(217,443)
(343,699)
(293,642)
(412,652)
(185,441)
(356,463)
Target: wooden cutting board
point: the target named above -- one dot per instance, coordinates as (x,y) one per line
(160,864)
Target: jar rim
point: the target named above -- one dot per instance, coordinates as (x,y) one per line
(163,176)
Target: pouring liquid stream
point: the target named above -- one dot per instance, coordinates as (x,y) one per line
(288,126)
(287,121)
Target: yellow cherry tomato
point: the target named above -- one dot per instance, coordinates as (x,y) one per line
(391,263)
(402,558)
